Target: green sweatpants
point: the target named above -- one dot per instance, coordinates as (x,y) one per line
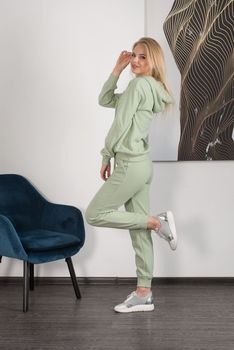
(128,185)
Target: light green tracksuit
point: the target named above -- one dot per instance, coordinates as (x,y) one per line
(128,185)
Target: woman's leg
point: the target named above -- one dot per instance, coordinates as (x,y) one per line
(125,182)
(142,241)
(129,185)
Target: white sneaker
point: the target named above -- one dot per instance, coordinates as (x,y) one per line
(135,303)
(168,228)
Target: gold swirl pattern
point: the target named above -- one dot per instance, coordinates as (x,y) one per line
(200,34)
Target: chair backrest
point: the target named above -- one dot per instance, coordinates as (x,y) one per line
(20,201)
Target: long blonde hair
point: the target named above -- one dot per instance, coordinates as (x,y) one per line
(156,60)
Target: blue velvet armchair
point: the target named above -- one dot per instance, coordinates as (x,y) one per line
(37,231)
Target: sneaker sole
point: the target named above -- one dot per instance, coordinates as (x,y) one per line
(136,308)
(171,223)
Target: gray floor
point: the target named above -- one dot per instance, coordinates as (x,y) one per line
(186,317)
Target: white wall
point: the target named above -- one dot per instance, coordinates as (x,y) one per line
(55,57)
(165,130)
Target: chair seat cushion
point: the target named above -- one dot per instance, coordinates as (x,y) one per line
(45,240)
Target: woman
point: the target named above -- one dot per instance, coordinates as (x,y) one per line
(127,143)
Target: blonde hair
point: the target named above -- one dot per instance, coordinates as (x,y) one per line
(156,60)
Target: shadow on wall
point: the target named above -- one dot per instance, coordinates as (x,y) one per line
(163,197)
(7,265)
(169,192)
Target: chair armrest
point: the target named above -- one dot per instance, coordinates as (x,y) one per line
(63,218)
(10,244)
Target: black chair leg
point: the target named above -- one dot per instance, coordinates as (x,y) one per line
(31,276)
(73,277)
(0,259)
(26,285)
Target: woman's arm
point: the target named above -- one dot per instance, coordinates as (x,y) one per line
(123,120)
(107,97)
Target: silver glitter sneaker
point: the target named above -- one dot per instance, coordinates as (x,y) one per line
(168,228)
(135,303)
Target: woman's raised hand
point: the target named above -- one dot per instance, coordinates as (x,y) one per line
(122,62)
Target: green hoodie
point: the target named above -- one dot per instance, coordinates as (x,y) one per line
(134,110)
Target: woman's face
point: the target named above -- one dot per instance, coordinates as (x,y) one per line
(140,61)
